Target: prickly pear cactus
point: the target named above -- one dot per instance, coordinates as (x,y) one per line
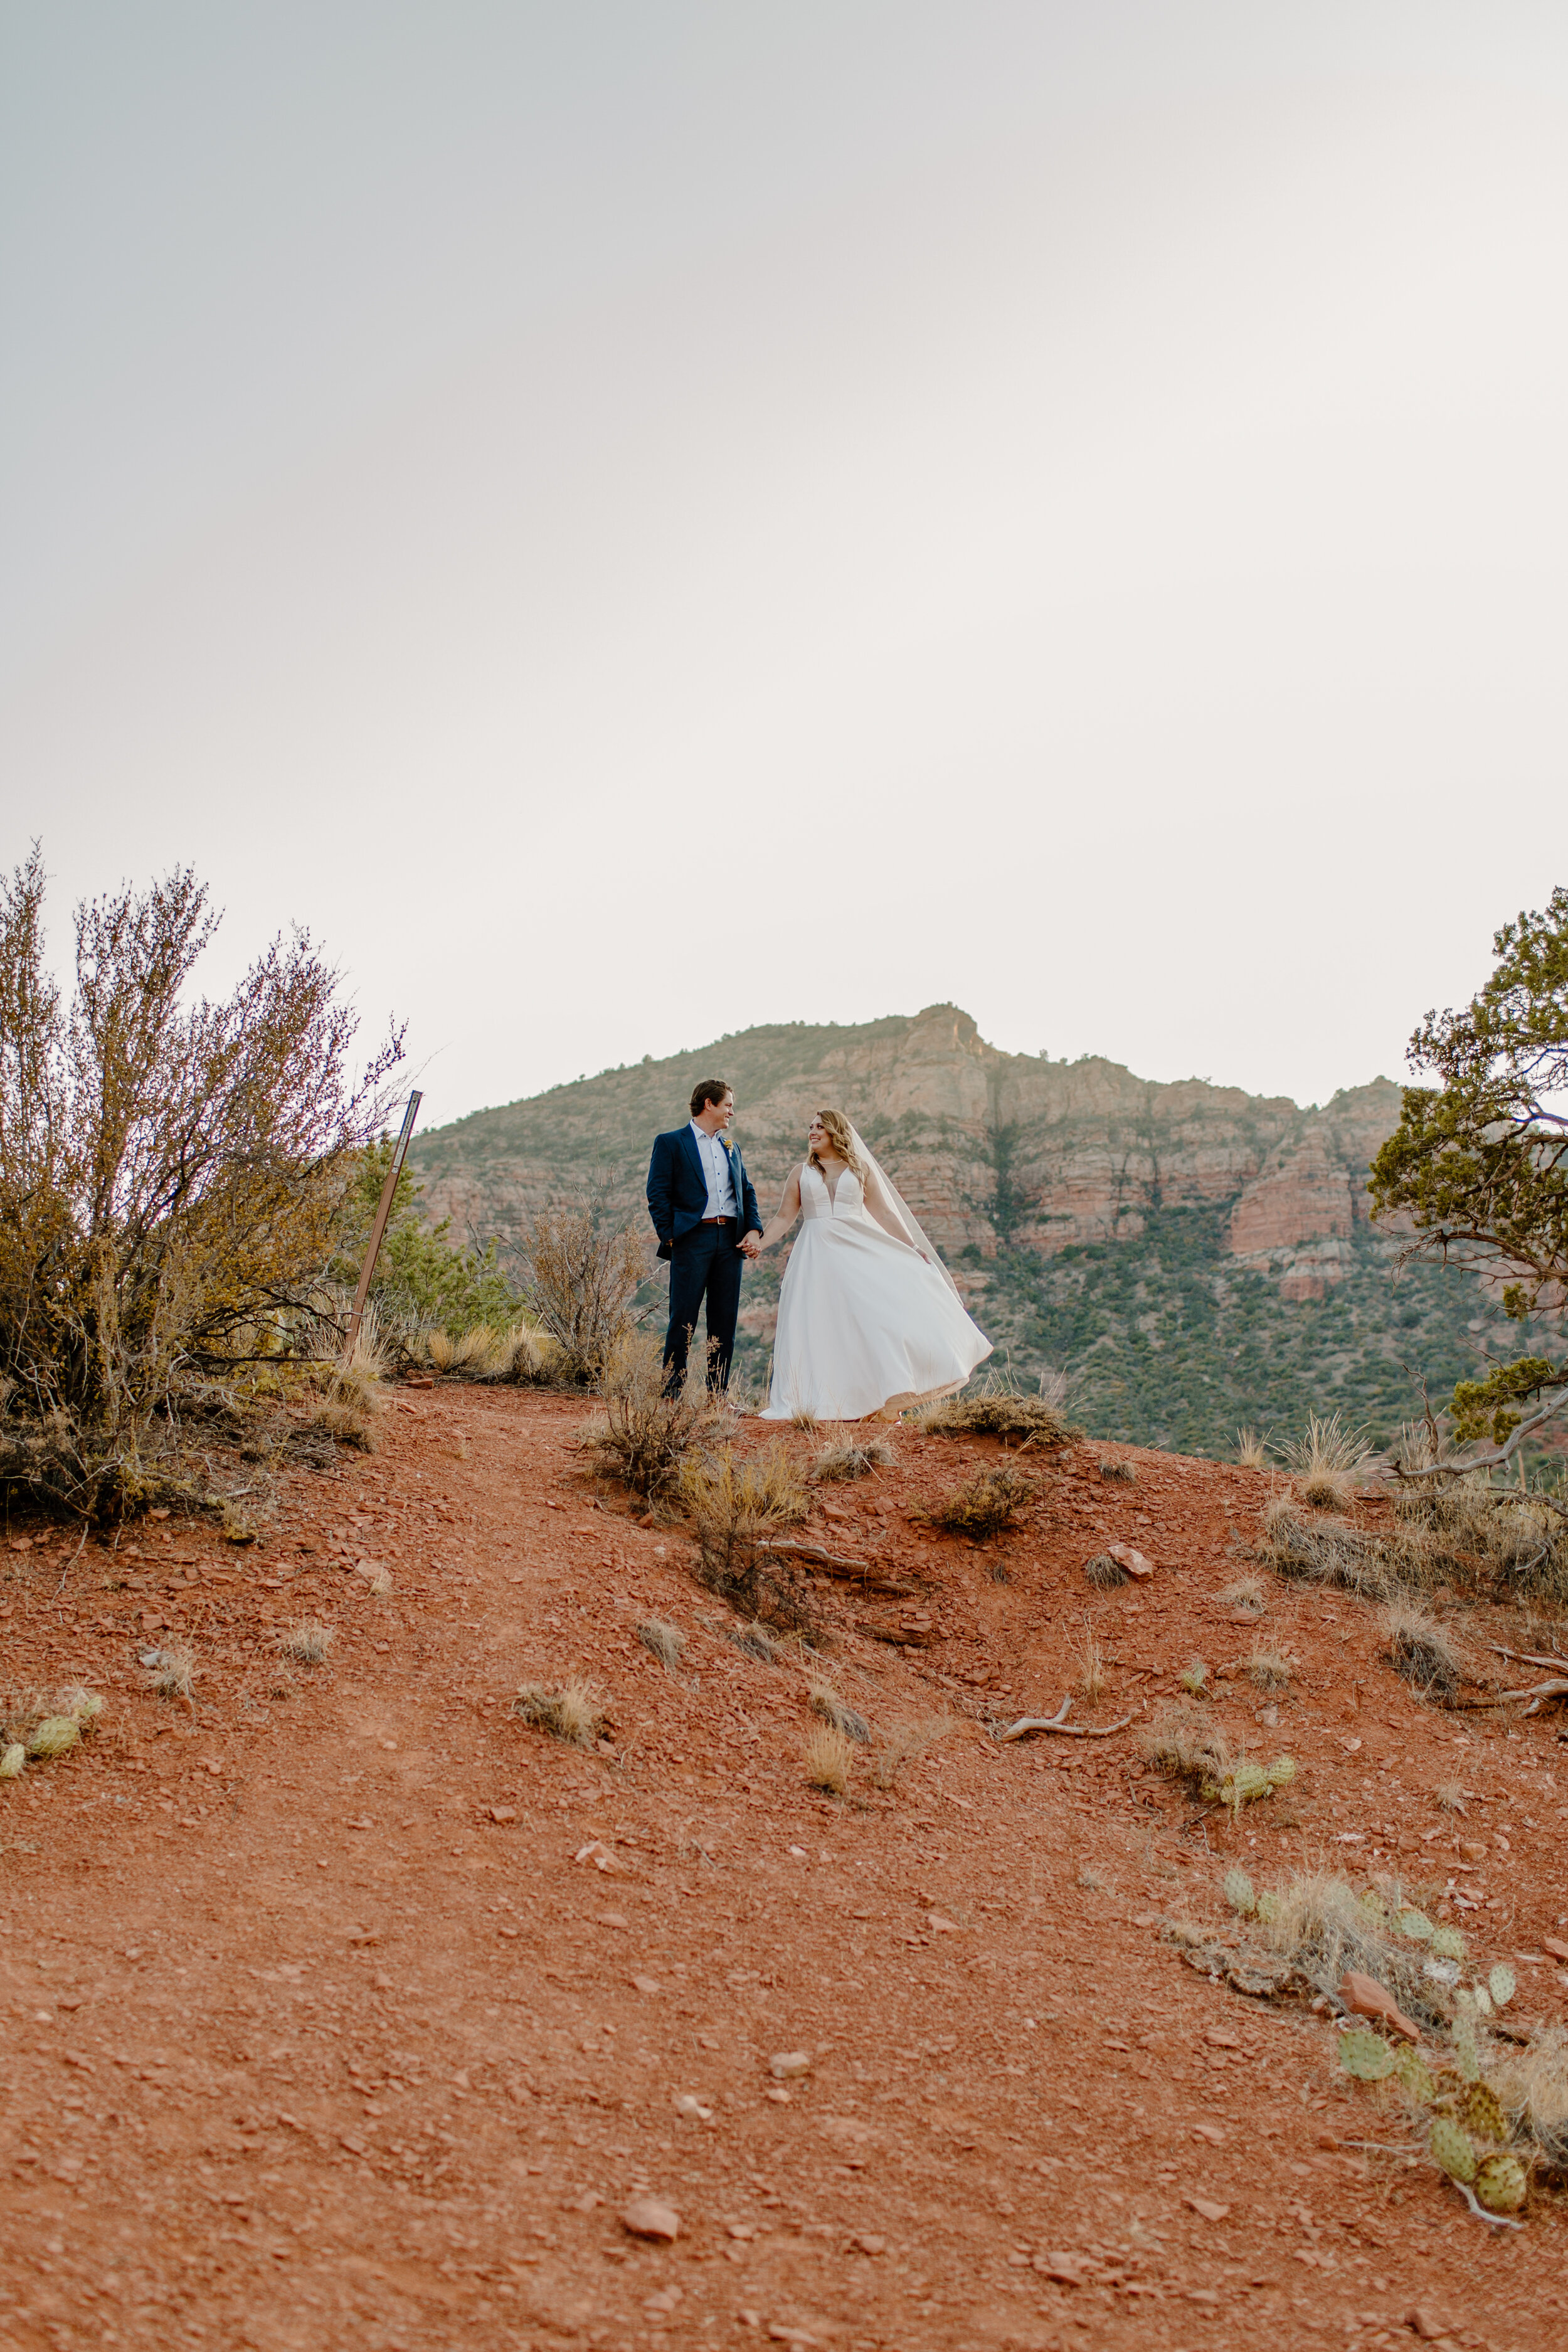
(1282,1771)
(1499,2184)
(1366,2056)
(1502,1984)
(1451,2148)
(1239,1894)
(1415,1925)
(1465,2050)
(1412,2073)
(1448,1944)
(13,1763)
(1480,2112)
(84,1704)
(54,1735)
(1482,2000)
(1373,1906)
(1267,1909)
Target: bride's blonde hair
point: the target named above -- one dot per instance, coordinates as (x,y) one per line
(842,1138)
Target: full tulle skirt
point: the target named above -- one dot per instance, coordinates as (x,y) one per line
(865,1325)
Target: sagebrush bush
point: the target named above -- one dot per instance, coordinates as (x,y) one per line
(582,1268)
(733,1506)
(645,1435)
(172,1172)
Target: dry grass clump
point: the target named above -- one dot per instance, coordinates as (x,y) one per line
(1245,1596)
(756,1642)
(905,1743)
(171,1669)
(1449,1796)
(1465,1524)
(1329,1460)
(850,1460)
(1091,1668)
(1105,1572)
(1189,1748)
(1267,1669)
(829,1758)
(733,1506)
(1029,1422)
(1251,1449)
(1318,1922)
(572,1713)
(520,1353)
(1422,1650)
(1120,1474)
(982,1507)
(347,1424)
(805,1421)
(666,1642)
(309,1642)
(645,1435)
(826,1703)
(1316,1552)
(1533,2085)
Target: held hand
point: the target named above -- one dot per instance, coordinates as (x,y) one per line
(751,1244)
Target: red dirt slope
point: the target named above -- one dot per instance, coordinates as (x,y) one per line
(346,2009)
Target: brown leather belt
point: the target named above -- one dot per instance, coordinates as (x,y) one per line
(718,1221)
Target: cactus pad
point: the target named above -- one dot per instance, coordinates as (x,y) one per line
(84,1704)
(54,1735)
(1502,1984)
(1373,1906)
(1448,1944)
(1366,2056)
(1411,2071)
(1465,2050)
(1282,1771)
(1267,1908)
(1239,1892)
(13,1761)
(1500,2183)
(1415,1925)
(1480,2112)
(1451,2148)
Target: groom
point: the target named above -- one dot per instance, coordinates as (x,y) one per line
(704,1212)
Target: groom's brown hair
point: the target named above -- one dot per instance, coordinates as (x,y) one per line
(706,1091)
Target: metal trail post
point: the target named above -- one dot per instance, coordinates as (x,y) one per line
(383,1210)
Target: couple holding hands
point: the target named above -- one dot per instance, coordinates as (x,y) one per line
(869,1318)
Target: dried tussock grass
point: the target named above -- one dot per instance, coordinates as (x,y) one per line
(646,1436)
(1118,1473)
(1329,1460)
(732,1506)
(666,1642)
(1533,2085)
(1466,1524)
(1105,1572)
(826,1703)
(1422,1650)
(1251,1449)
(1091,1668)
(1189,1748)
(982,1507)
(851,1459)
(572,1711)
(1317,1923)
(828,1758)
(1316,1552)
(171,1669)
(1449,1797)
(756,1642)
(1245,1596)
(905,1743)
(1267,1669)
(1029,1422)
(309,1642)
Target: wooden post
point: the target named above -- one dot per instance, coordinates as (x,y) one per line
(383,1210)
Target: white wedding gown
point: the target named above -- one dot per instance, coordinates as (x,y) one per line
(865,1322)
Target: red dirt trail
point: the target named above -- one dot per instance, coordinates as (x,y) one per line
(342,2007)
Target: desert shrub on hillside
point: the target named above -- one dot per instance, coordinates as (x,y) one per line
(983,1505)
(645,1435)
(172,1172)
(733,1508)
(1329,1459)
(852,1458)
(1421,1649)
(581,1271)
(1029,1422)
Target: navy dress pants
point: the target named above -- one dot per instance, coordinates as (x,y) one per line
(705,1265)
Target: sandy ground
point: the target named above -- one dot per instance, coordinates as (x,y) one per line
(343,2007)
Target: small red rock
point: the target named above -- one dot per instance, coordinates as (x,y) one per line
(1206,2208)
(649,2217)
(1364,1997)
(1550,1944)
(1133,1561)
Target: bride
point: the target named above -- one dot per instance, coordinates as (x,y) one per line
(869,1318)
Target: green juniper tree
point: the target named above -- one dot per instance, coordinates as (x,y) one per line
(1479,1164)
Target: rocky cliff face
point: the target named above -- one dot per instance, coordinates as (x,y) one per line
(994,1150)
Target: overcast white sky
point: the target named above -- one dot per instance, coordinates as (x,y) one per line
(632,519)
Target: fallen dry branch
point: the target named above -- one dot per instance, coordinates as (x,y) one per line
(1059,1722)
(1528,1657)
(849,1571)
(1538,1694)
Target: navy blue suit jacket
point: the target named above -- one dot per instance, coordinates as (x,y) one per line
(678,1187)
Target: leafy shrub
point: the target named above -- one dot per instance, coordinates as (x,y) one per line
(422,1281)
(645,1435)
(983,1505)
